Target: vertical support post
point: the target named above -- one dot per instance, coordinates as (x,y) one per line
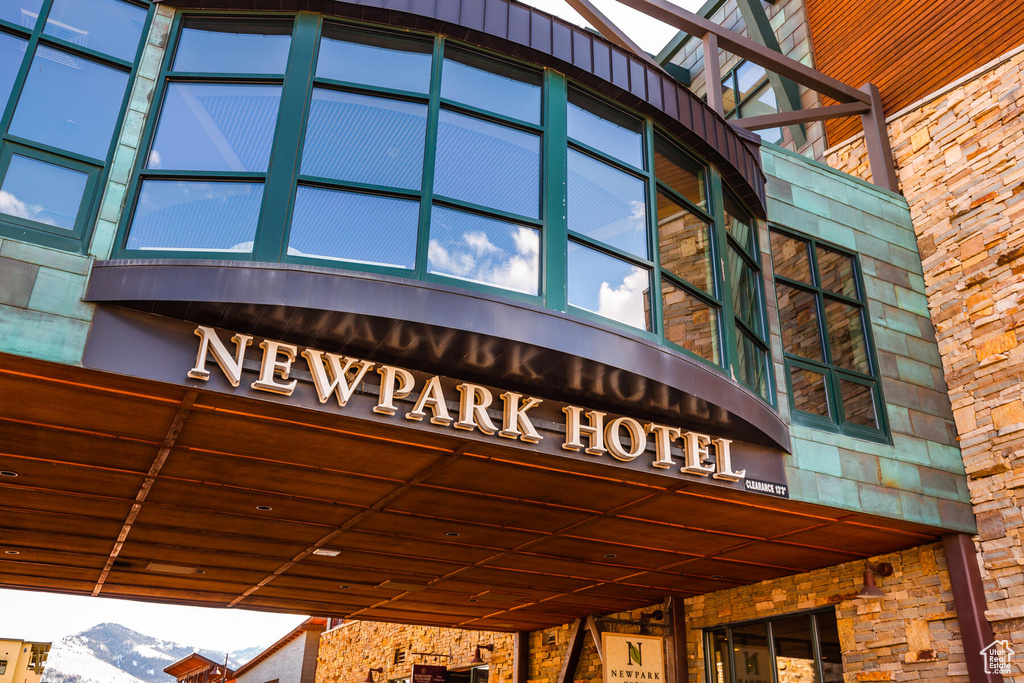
(969,599)
(713,73)
(572,652)
(595,633)
(521,657)
(677,660)
(876,137)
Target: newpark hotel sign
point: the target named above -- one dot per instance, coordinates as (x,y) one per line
(469,407)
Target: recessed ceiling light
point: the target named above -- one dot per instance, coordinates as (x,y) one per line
(610,555)
(345,586)
(11,552)
(326,552)
(8,473)
(264,508)
(471,600)
(452,533)
(200,571)
(717,576)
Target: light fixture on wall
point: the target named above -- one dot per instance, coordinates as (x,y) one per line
(476,657)
(870,590)
(370,672)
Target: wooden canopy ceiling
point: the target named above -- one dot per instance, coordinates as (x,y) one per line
(133,489)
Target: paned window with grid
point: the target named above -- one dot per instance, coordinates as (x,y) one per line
(802,647)
(610,260)
(65,69)
(746,92)
(825,336)
(203,183)
(751,363)
(690,301)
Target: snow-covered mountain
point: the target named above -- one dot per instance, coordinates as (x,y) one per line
(111,653)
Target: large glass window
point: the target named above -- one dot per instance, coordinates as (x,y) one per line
(60,104)
(829,361)
(803,647)
(319,143)
(610,260)
(752,364)
(206,168)
(746,92)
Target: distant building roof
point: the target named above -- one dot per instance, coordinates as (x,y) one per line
(193,663)
(311,624)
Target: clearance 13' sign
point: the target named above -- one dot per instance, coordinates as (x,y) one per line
(632,658)
(336,376)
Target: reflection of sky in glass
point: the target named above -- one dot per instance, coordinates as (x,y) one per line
(607,286)
(377,65)
(604,135)
(747,75)
(348,226)
(212,127)
(70,103)
(181,215)
(108,26)
(365,139)
(21,12)
(490,91)
(42,192)
(12,50)
(484,250)
(606,204)
(233,50)
(487,164)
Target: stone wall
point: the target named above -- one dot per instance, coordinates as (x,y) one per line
(350,650)
(910,634)
(788,19)
(960,158)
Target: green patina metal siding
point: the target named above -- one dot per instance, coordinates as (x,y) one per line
(920,477)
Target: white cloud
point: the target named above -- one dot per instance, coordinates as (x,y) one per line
(484,262)
(12,206)
(625,302)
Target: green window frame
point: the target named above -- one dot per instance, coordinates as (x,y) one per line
(734,100)
(703,200)
(757,649)
(818,342)
(96,169)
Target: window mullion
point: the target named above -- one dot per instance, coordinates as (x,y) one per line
(555,237)
(653,240)
(727,326)
(429,159)
(26,61)
(285,156)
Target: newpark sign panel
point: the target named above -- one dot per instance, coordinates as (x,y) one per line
(331,381)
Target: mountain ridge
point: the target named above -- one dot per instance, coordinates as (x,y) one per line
(112,653)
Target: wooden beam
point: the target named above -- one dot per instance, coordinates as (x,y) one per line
(609,30)
(521,657)
(595,633)
(876,139)
(713,74)
(147,484)
(678,661)
(786,118)
(572,652)
(969,600)
(741,46)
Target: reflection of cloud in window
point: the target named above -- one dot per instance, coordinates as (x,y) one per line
(480,260)
(12,206)
(625,302)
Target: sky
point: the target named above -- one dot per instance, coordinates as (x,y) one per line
(48,617)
